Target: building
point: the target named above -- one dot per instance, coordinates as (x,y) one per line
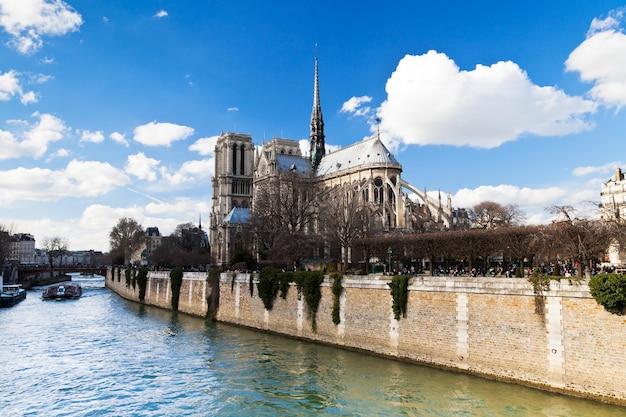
(365,171)
(22,248)
(613,208)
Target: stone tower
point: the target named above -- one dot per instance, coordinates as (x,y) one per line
(232,191)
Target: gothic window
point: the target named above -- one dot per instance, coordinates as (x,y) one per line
(234,171)
(242,159)
(378,190)
(391,196)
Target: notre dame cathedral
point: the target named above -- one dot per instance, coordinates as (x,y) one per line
(365,170)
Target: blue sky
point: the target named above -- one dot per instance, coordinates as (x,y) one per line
(112,108)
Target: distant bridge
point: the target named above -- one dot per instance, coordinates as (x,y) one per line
(33,273)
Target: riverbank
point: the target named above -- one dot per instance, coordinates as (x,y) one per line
(482,326)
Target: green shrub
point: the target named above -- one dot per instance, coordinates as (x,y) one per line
(400,294)
(176,281)
(142,281)
(267,287)
(312,292)
(337,289)
(609,290)
(127,276)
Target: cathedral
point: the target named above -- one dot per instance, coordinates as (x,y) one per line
(366,168)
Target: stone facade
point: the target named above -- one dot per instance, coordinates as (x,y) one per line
(483,326)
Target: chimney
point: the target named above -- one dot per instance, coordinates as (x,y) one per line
(618,174)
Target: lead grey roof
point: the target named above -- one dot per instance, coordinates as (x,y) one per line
(368,151)
(238,215)
(291,162)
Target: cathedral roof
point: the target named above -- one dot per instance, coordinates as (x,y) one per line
(366,152)
(238,215)
(293,162)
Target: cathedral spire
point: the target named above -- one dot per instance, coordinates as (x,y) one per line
(317,123)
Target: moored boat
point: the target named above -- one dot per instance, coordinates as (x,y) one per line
(62,291)
(11,294)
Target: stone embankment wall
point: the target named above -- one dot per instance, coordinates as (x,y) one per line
(484,326)
(194,291)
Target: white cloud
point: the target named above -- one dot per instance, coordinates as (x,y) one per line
(28,20)
(119,138)
(204,146)
(601,60)
(609,167)
(189,173)
(233,109)
(36,138)
(160,13)
(79,178)
(142,167)
(489,105)
(355,106)
(161,134)
(92,137)
(10,87)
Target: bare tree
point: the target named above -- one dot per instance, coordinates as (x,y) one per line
(5,243)
(344,218)
(283,218)
(583,240)
(56,247)
(489,215)
(127,237)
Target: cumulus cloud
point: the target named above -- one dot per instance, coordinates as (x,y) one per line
(92,137)
(39,184)
(160,13)
(142,167)
(10,87)
(119,138)
(204,146)
(161,134)
(601,60)
(431,101)
(27,21)
(35,137)
(355,106)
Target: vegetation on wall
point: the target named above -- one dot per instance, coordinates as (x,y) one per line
(142,281)
(119,274)
(213,300)
(309,285)
(133,279)
(609,290)
(176,280)
(540,284)
(267,287)
(337,289)
(400,294)
(127,276)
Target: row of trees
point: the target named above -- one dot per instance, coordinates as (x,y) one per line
(186,246)
(580,241)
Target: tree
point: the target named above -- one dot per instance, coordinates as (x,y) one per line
(283,218)
(344,217)
(55,247)
(127,237)
(5,243)
(489,215)
(580,239)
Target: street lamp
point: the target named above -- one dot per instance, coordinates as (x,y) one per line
(389,251)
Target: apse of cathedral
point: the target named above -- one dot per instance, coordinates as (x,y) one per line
(367,169)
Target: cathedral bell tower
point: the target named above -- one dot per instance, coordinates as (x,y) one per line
(318,148)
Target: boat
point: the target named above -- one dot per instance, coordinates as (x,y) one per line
(64,290)
(11,294)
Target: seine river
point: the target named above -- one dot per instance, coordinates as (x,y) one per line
(103,356)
